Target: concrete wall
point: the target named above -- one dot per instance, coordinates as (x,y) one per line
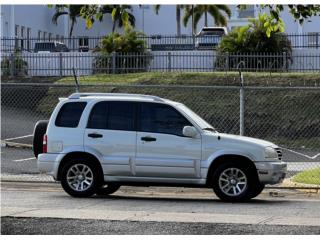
(61,64)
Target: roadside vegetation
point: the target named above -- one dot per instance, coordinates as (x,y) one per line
(201,79)
(308,177)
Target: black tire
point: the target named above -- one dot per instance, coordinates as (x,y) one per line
(107,189)
(243,195)
(96,178)
(38,133)
(257,189)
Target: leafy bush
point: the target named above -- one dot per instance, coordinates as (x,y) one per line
(122,53)
(18,65)
(251,45)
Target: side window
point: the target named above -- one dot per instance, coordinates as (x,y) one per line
(113,116)
(160,118)
(121,116)
(98,116)
(70,114)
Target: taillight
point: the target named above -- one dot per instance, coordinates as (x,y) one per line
(45,144)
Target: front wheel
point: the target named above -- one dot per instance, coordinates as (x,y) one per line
(233,182)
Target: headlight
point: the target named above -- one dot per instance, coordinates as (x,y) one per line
(270,152)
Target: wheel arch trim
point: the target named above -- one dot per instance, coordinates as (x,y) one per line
(78,153)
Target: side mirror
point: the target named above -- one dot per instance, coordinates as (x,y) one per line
(189,131)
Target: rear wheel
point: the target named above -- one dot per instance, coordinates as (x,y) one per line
(80,178)
(257,189)
(233,182)
(107,189)
(39,131)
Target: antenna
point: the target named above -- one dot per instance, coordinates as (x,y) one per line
(76,79)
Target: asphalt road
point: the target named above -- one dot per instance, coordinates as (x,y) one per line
(46,209)
(52,226)
(18,122)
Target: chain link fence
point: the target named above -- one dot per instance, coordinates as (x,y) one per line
(287,116)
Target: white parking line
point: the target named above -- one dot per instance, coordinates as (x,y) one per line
(24,159)
(9,139)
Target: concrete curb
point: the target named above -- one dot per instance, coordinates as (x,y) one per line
(15,145)
(307,188)
(8,177)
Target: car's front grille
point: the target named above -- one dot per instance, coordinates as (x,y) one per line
(279,151)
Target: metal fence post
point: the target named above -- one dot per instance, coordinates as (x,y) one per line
(60,64)
(169,61)
(284,59)
(241,112)
(241,107)
(12,64)
(113,56)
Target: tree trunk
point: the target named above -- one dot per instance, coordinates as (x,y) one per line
(71,28)
(193,25)
(205,19)
(178,18)
(114,26)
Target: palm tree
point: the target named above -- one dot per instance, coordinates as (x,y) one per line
(178,16)
(197,11)
(120,14)
(73,11)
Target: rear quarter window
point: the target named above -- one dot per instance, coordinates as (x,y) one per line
(70,114)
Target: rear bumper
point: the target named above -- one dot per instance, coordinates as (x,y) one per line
(271,172)
(49,163)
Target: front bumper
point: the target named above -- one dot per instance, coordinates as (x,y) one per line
(271,172)
(49,163)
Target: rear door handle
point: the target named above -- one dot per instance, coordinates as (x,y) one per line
(95,135)
(148,139)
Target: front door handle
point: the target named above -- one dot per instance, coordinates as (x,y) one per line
(95,135)
(148,139)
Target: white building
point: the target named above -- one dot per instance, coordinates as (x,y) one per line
(34,21)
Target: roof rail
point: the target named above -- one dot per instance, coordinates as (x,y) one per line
(78,95)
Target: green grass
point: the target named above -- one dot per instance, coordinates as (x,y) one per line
(308,177)
(199,78)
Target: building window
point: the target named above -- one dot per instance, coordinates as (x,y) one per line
(16,31)
(57,37)
(39,35)
(313,39)
(22,31)
(6,33)
(83,44)
(16,36)
(22,37)
(28,38)
(50,36)
(44,35)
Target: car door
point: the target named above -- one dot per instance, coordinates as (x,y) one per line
(111,134)
(162,150)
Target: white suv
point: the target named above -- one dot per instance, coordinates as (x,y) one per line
(96,142)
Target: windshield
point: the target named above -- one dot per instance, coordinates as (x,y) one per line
(201,122)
